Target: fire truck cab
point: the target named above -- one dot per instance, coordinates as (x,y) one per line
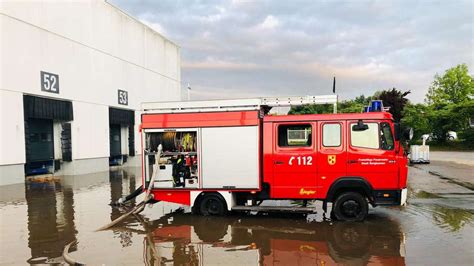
(230,155)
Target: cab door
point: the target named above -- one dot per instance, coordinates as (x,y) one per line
(371,154)
(332,155)
(294,160)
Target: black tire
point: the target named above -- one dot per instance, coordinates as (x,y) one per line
(196,210)
(210,230)
(212,204)
(351,207)
(349,242)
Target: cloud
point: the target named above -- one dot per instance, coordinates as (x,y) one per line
(234,48)
(218,64)
(269,23)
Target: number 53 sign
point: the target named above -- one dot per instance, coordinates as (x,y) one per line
(122,97)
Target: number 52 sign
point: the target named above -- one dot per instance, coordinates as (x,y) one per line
(49,82)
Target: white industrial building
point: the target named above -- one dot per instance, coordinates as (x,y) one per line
(72,78)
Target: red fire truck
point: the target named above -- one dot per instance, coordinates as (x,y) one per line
(231,155)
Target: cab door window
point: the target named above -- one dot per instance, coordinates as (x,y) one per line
(374,137)
(294,135)
(386,137)
(368,138)
(332,135)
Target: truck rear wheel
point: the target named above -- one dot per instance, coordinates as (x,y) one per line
(212,204)
(350,206)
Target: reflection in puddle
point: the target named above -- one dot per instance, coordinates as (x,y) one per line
(121,183)
(50,219)
(452,218)
(443,212)
(188,239)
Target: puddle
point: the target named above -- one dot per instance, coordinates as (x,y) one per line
(452,218)
(39,218)
(237,240)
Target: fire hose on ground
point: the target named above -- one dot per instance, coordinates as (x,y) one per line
(136,210)
(139,208)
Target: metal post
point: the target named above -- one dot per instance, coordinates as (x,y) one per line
(189,92)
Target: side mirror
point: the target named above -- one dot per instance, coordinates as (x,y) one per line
(360,126)
(398,131)
(408,133)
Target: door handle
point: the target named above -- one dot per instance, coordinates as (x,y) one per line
(351,161)
(278,162)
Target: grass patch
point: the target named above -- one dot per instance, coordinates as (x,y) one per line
(426,195)
(447,146)
(450,146)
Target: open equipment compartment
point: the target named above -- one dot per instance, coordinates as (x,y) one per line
(224,155)
(179,164)
(204,158)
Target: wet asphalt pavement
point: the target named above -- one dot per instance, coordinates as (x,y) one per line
(38,219)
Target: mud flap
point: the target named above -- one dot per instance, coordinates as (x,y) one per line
(403,197)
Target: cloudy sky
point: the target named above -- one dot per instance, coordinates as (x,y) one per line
(270,48)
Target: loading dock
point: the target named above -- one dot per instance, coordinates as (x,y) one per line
(121,135)
(42,116)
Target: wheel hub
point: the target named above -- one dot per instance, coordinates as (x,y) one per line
(213,206)
(351,208)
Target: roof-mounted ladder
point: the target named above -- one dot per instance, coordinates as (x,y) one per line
(236,104)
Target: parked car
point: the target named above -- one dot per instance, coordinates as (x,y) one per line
(427,137)
(451,135)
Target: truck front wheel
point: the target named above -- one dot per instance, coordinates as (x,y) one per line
(350,206)
(212,205)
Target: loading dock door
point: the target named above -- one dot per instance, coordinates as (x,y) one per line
(119,120)
(40,115)
(115,141)
(41,145)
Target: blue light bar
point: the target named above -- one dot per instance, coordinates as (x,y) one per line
(374,106)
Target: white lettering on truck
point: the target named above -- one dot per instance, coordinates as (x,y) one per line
(301,160)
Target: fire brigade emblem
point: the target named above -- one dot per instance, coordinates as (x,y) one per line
(331,159)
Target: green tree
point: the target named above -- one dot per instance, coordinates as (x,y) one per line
(450,98)
(455,86)
(363,100)
(311,109)
(453,117)
(354,106)
(396,100)
(348,106)
(417,117)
